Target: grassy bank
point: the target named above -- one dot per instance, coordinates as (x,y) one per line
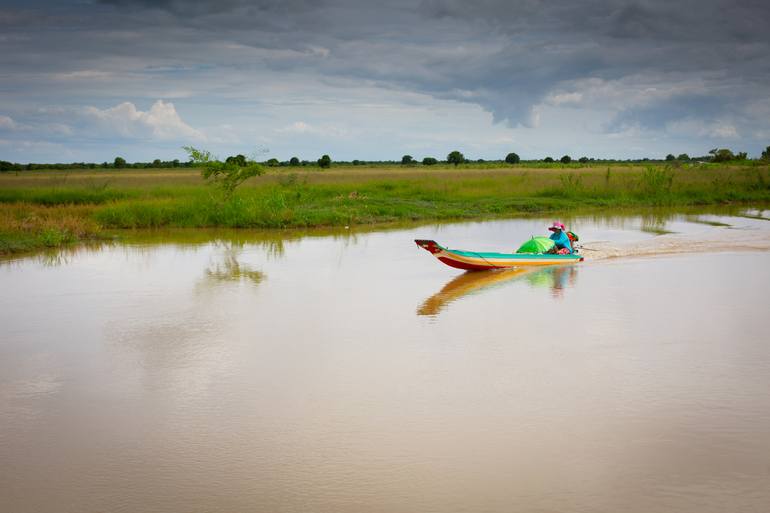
(49,209)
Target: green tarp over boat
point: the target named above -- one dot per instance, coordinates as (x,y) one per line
(536,245)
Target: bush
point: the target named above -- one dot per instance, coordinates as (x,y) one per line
(119,162)
(455,158)
(9,166)
(548,159)
(294,161)
(721,155)
(225,175)
(512,158)
(407,159)
(583,160)
(429,161)
(683,157)
(238,160)
(55,237)
(566,159)
(325,161)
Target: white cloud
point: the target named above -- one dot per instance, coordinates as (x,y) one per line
(88,74)
(717,129)
(629,91)
(7,123)
(319,51)
(20,150)
(58,129)
(161,122)
(573,98)
(728,131)
(300,127)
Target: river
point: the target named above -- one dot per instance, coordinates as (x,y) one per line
(353,372)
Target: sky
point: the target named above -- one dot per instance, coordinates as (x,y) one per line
(91,80)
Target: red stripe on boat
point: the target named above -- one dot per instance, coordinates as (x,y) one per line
(463,265)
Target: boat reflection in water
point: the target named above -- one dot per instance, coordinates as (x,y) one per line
(557,278)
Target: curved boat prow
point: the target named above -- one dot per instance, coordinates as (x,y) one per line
(428,245)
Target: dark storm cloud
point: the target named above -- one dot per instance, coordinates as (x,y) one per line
(669,110)
(231,13)
(506,56)
(612,40)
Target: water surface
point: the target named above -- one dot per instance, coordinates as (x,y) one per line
(353,372)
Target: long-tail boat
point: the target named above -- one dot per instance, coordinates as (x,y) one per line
(482,261)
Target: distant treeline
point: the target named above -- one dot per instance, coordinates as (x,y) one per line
(455,158)
(118,163)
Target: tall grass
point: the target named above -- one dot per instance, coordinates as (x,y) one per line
(657,181)
(25,227)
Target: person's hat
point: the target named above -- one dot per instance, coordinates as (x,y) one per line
(557,226)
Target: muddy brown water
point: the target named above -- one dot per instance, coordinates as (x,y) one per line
(353,372)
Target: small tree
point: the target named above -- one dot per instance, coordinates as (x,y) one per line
(548,159)
(325,161)
(455,158)
(766,154)
(294,161)
(429,161)
(226,175)
(670,157)
(683,157)
(238,160)
(407,160)
(272,162)
(566,159)
(119,163)
(583,160)
(512,158)
(721,155)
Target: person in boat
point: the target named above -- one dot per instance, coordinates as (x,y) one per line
(559,236)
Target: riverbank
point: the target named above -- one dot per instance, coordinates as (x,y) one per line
(51,209)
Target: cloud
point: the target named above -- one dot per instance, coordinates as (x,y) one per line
(719,130)
(298,127)
(573,98)
(6,123)
(161,122)
(301,128)
(84,75)
(724,131)
(650,64)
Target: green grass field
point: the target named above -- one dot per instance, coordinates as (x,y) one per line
(53,208)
